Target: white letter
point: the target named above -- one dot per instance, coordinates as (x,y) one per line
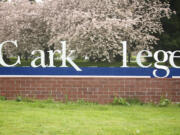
(124,54)
(41,58)
(160,66)
(138,59)
(1,56)
(171,59)
(68,58)
(51,57)
(71,62)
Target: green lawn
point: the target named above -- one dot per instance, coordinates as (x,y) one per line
(45,118)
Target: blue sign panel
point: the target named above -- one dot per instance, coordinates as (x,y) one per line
(87,72)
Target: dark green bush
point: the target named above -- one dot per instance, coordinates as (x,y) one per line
(120,101)
(134,101)
(3,98)
(83,102)
(27,100)
(18,98)
(50,100)
(164,102)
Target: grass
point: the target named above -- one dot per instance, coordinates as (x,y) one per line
(54,118)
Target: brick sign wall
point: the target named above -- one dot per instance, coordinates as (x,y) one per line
(93,89)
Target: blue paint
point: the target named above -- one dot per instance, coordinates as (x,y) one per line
(86,71)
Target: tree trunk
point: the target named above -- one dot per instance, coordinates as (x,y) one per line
(129,57)
(46,55)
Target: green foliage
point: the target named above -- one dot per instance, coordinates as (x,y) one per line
(127,102)
(27,100)
(170,39)
(164,102)
(134,101)
(2,98)
(66,99)
(85,63)
(24,99)
(79,62)
(18,98)
(40,105)
(83,102)
(50,100)
(120,101)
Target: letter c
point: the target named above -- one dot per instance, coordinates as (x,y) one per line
(2,62)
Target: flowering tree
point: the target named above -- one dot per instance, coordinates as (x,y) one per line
(24,22)
(95,28)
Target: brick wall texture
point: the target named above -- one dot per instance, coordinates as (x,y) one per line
(101,90)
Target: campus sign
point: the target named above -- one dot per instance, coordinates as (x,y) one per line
(167,57)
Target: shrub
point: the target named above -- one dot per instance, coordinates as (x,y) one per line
(66,99)
(27,100)
(164,102)
(2,98)
(18,98)
(83,102)
(120,101)
(24,99)
(49,100)
(134,101)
